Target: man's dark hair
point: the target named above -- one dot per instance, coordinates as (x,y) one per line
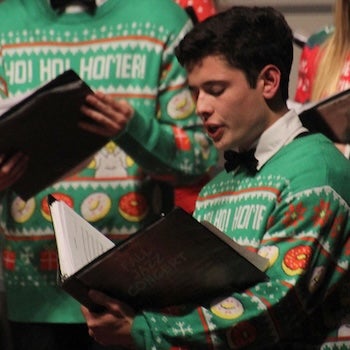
(249,38)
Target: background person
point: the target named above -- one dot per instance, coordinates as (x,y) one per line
(202,8)
(324,67)
(124,49)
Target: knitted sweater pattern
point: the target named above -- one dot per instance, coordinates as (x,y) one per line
(295,212)
(119,191)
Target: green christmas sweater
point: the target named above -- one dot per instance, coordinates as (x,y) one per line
(294,211)
(124,49)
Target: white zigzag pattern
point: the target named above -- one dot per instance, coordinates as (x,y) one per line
(39,232)
(94,185)
(235,198)
(136,90)
(39,49)
(319,191)
(146,90)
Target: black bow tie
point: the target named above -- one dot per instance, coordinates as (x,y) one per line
(245,159)
(60,5)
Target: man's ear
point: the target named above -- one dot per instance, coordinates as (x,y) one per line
(270,77)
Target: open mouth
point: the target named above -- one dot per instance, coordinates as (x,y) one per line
(212,129)
(214,132)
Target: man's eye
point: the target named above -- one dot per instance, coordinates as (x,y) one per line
(215,90)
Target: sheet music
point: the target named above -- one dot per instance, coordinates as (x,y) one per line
(82,245)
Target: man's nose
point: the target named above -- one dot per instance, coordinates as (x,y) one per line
(203,108)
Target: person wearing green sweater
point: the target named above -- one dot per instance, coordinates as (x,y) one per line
(289,201)
(125,51)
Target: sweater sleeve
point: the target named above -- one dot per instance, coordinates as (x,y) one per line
(172,144)
(308,253)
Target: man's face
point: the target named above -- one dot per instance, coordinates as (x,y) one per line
(233,113)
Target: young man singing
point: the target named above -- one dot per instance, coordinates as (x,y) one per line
(289,202)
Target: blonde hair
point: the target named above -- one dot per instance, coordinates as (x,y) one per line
(333,53)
